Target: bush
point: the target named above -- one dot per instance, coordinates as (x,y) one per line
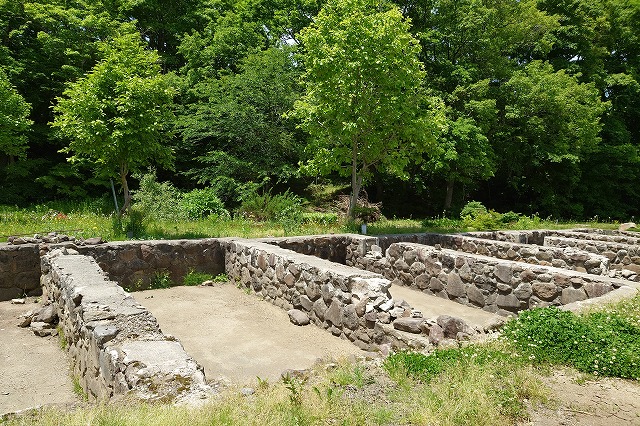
(268,207)
(318,218)
(472,210)
(201,203)
(158,200)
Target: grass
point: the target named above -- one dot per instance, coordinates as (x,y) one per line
(92,219)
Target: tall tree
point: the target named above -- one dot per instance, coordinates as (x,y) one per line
(547,122)
(363,106)
(117,115)
(235,128)
(14,122)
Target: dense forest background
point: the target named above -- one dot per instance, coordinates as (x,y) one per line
(541,100)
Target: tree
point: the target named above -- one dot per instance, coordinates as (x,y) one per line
(548,121)
(117,115)
(363,106)
(235,128)
(14,122)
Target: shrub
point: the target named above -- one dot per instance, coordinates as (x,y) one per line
(194,278)
(269,207)
(158,200)
(320,218)
(473,209)
(201,203)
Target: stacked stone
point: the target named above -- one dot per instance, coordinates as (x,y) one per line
(624,259)
(136,263)
(329,247)
(348,302)
(115,343)
(620,239)
(494,285)
(19,271)
(571,258)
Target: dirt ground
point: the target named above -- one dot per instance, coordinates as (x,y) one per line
(236,336)
(34,371)
(602,402)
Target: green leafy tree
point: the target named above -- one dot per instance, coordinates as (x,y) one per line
(14,121)
(363,106)
(235,126)
(548,121)
(117,115)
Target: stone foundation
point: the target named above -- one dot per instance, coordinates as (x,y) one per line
(115,344)
(485,282)
(19,271)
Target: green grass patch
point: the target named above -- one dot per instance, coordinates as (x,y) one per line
(604,342)
(194,278)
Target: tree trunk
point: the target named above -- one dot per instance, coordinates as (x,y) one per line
(354,181)
(124,171)
(449,198)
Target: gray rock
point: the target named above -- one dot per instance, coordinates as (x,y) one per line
(18,301)
(523,291)
(455,286)
(42,329)
(436,334)
(350,317)
(570,295)
(475,296)
(504,272)
(508,301)
(298,317)
(334,314)
(410,325)
(46,314)
(626,226)
(451,326)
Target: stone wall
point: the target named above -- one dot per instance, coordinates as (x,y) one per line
(329,247)
(115,344)
(350,303)
(491,284)
(568,258)
(19,271)
(620,256)
(135,264)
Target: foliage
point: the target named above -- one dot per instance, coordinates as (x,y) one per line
(117,115)
(601,342)
(233,124)
(266,206)
(14,122)
(158,200)
(196,278)
(363,106)
(473,209)
(200,203)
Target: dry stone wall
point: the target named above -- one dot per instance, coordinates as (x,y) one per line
(491,284)
(568,258)
(115,344)
(19,271)
(329,247)
(135,264)
(350,303)
(620,256)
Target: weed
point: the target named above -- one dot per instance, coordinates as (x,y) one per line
(196,278)
(221,278)
(603,342)
(262,383)
(162,279)
(295,388)
(62,339)
(79,390)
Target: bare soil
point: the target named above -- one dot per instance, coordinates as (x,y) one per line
(236,336)
(34,371)
(576,401)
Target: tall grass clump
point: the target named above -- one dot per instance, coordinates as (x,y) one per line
(479,385)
